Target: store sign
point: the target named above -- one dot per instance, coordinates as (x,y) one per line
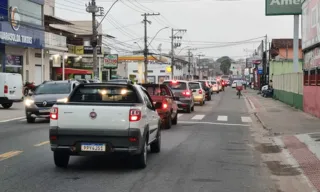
(310,23)
(89,50)
(312,59)
(83,50)
(110,61)
(12,32)
(283,7)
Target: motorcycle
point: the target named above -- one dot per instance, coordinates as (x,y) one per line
(28,86)
(239,88)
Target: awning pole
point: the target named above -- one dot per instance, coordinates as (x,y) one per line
(63,72)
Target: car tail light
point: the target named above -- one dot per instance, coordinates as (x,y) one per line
(134,115)
(164,105)
(200,91)
(5,89)
(186,93)
(54,113)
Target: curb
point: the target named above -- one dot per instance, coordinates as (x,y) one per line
(261,121)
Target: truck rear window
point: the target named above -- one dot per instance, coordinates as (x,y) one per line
(104,94)
(194,85)
(156,90)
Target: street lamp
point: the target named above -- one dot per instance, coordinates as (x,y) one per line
(156,35)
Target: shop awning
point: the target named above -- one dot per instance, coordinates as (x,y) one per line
(74,71)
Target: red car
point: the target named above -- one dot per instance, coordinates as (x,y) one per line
(169,111)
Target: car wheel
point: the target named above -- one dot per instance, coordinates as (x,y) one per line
(31,119)
(61,159)
(169,122)
(175,120)
(189,109)
(155,146)
(192,108)
(218,92)
(6,105)
(141,159)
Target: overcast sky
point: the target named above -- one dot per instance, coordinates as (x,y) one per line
(210,24)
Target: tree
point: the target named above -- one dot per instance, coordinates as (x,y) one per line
(225,64)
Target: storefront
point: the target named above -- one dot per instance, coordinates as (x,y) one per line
(22,38)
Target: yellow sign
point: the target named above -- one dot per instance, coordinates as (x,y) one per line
(79,50)
(168,69)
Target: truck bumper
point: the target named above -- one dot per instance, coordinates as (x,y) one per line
(121,141)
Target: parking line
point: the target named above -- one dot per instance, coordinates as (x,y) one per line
(246,119)
(9,155)
(42,143)
(13,119)
(198,117)
(222,118)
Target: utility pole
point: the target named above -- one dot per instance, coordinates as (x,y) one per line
(146,51)
(199,55)
(174,45)
(263,63)
(189,61)
(93,9)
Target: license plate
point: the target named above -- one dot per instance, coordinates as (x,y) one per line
(93,147)
(12,92)
(44,110)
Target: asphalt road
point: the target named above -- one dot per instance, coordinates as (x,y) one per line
(209,150)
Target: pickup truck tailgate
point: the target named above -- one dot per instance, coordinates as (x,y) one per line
(80,117)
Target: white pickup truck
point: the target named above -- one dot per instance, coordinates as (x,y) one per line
(103,118)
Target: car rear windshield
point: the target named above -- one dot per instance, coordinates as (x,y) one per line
(111,94)
(53,88)
(194,85)
(156,90)
(213,82)
(176,85)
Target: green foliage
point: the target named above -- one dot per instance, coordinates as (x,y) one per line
(225,64)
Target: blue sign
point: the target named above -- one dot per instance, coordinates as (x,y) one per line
(260,71)
(14,30)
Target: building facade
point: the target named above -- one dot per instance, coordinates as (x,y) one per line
(22,39)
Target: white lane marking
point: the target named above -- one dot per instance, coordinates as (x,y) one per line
(198,117)
(42,143)
(179,115)
(222,118)
(212,123)
(13,119)
(246,119)
(9,155)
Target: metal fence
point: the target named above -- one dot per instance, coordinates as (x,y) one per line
(290,82)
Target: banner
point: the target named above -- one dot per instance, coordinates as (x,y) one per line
(110,61)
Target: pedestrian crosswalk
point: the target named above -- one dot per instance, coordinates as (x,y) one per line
(214,118)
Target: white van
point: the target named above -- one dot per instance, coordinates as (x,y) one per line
(11,89)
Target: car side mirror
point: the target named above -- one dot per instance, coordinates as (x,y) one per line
(158,105)
(176,98)
(193,90)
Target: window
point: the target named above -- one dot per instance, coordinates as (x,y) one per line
(147,99)
(53,88)
(312,77)
(194,85)
(306,78)
(108,94)
(30,12)
(318,77)
(175,85)
(156,90)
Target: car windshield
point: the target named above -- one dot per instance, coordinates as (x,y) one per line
(176,85)
(156,90)
(53,88)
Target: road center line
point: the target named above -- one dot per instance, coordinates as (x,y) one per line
(13,119)
(213,123)
(9,155)
(198,117)
(42,143)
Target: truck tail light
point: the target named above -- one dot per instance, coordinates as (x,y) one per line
(54,113)
(186,93)
(5,89)
(134,115)
(200,91)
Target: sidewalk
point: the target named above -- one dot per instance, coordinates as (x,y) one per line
(16,111)
(297,134)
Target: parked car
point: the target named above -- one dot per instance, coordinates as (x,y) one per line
(39,103)
(169,110)
(207,88)
(181,89)
(104,118)
(198,93)
(11,89)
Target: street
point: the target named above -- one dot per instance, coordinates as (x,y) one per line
(209,150)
